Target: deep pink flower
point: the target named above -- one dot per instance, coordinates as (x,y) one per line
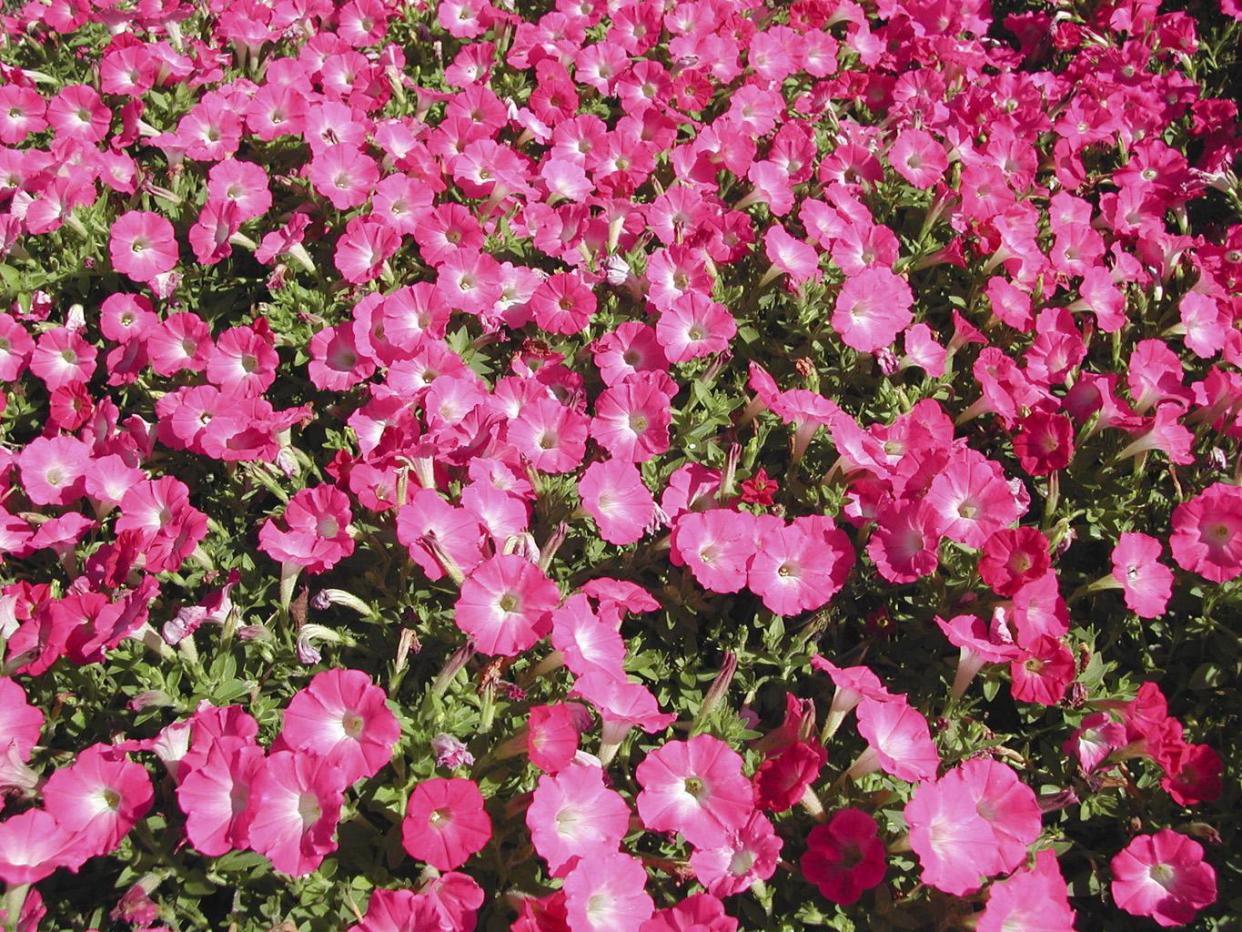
(918,158)
(1044,674)
(445,823)
(296,800)
(700,912)
(563,303)
(1012,557)
(1097,737)
(694,787)
(973,498)
(342,716)
(20,723)
(506,605)
(783,779)
(1163,876)
(845,857)
(143,245)
(552,734)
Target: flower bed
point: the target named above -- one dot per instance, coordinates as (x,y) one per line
(634,466)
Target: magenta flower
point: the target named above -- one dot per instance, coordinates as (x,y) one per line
(506,605)
(845,857)
(445,823)
(143,245)
(550,435)
(296,800)
(62,357)
(20,723)
(918,158)
(694,787)
(1163,876)
(694,326)
(343,717)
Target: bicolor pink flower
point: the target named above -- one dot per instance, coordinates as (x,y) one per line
(445,823)
(1207,533)
(573,814)
(344,175)
(1146,582)
(973,498)
(1033,898)
(614,495)
(605,892)
(98,798)
(694,787)
(872,308)
(506,605)
(979,644)
(563,303)
(586,641)
(1096,738)
(215,796)
(793,569)
(745,857)
(142,245)
(845,857)
(1163,876)
(435,533)
(342,716)
(318,535)
(792,256)
(242,360)
(296,799)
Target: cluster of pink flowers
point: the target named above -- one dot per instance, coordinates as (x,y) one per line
(519,339)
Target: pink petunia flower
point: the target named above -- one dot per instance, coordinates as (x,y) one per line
(872,308)
(549,434)
(899,741)
(918,158)
(344,717)
(33,845)
(215,796)
(845,857)
(614,495)
(694,326)
(98,799)
(505,605)
(142,245)
(62,357)
(573,815)
(296,800)
(605,892)
(445,822)
(1033,898)
(1207,533)
(1163,876)
(318,534)
(694,787)
(717,546)
(746,857)
(20,723)
(1146,582)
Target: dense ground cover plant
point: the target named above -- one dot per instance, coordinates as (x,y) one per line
(620,466)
